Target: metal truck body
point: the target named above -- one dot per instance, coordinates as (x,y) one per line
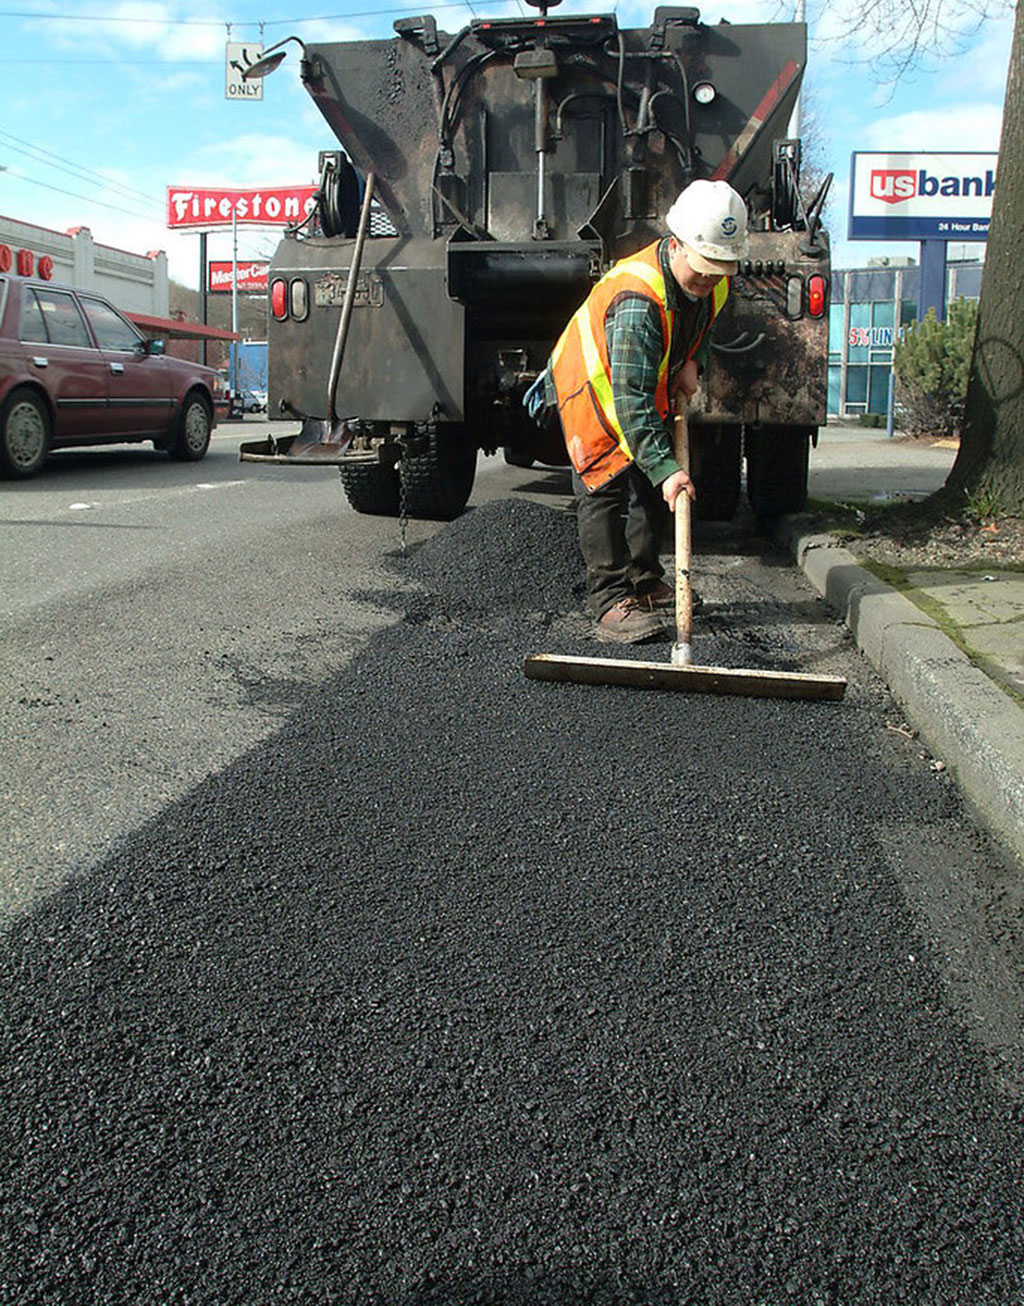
(515,161)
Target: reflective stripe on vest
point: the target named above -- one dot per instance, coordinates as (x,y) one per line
(598,374)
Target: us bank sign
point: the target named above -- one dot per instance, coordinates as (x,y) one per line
(921,196)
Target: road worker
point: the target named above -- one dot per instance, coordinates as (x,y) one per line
(637,343)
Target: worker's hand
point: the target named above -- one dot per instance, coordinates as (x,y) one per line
(685,381)
(676,484)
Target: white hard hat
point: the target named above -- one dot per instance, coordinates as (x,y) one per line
(709,219)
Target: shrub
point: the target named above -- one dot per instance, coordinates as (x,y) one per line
(932,361)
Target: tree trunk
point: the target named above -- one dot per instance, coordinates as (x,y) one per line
(990,465)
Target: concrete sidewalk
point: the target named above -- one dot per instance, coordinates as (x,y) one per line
(950,645)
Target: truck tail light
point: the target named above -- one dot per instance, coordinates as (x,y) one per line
(298,300)
(816,296)
(279,299)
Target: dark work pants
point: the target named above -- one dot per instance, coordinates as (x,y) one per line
(621,527)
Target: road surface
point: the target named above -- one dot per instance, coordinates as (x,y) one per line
(345,965)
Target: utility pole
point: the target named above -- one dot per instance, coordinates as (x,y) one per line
(794,121)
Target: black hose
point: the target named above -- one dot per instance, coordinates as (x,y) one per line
(338,199)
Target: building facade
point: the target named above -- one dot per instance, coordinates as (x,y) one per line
(135,283)
(869,307)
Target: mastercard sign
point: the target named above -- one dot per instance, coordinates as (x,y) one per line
(251,278)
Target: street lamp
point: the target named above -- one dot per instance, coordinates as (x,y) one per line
(273,58)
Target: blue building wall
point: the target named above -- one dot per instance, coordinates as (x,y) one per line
(252,365)
(868,307)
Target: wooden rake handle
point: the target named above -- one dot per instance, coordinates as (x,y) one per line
(684,545)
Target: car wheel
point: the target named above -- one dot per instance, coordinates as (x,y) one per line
(193,434)
(24,434)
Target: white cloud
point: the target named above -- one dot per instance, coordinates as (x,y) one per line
(964,127)
(253,159)
(133,27)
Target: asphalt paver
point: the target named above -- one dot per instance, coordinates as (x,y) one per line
(464,989)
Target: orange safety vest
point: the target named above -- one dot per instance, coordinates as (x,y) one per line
(581,369)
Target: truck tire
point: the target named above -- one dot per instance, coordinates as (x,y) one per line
(777,460)
(717,465)
(437,483)
(371,488)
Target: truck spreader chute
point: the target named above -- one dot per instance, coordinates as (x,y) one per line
(513,162)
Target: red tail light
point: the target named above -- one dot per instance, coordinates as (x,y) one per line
(279,299)
(816,296)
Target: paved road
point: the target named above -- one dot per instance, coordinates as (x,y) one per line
(860,464)
(160,618)
(426,984)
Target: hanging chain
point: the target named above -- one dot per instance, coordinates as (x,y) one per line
(403,511)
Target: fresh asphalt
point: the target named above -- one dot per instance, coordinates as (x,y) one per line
(460,988)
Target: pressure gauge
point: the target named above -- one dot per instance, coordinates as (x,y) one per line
(704,93)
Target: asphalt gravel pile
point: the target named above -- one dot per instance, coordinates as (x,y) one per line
(466,989)
(508,556)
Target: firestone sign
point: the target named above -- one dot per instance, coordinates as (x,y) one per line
(198,207)
(921,196)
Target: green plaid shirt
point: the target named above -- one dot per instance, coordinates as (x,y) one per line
(635,347)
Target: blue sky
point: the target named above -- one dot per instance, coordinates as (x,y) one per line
(102,106)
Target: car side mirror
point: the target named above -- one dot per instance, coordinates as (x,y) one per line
(154,346)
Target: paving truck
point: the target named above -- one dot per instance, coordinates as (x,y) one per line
(485,180)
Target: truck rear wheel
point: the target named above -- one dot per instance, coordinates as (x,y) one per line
(437,483)
(777,460)
(716,464)
(371,488)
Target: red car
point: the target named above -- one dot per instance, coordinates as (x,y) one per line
(73,370)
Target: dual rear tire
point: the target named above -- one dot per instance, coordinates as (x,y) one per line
(777,463)
(434,483)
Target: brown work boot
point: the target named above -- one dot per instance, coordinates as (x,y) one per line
(661,598)
(627,623)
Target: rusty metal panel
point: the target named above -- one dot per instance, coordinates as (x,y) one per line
(404,357)
(400,113)
(766,365)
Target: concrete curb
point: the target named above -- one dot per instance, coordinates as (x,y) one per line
(963,717)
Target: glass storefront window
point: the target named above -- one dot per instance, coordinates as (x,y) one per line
(835,377)
(836,313)
(882,313)
(878,390)
(856,384)
(860,333)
